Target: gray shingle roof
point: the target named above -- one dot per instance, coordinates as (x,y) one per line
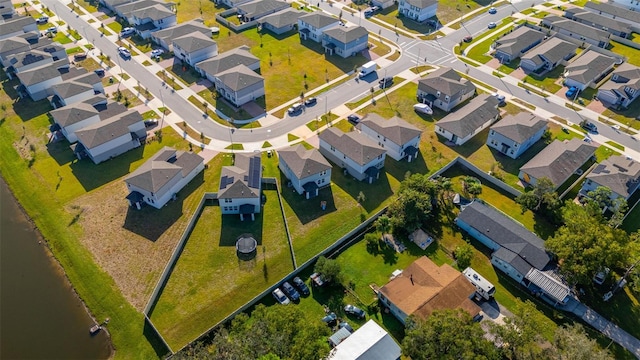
(27,57)
(15,24)
(599,21)
(447,81)
(346,35)
(627,75)
(194,42)
(74,113)
(617,11)
(13,43)
(581,29)
(107,130)
(228,60)
(302,162)
(619,174)
(162,167)
(42,73)
(506,233)
(521,127)
(395,129)
(129,6)
(182,29)
(354,145)
(518,39)
(559,160)
(155,13)
(318,19)
(283,18)
(553,49)
(589,66)
(467,119)
(421,4)
(258,7)
(71,88)
(241,180)
(239,77)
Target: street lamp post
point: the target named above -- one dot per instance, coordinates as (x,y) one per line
(163,108)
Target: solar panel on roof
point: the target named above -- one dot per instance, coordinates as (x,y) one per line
(254,172)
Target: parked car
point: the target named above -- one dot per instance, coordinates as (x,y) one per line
(589,126)
(491,25)
(601,276)
(79,56)
(99,72)
(310,101)
(345,325)
(385,82)
(42,20)
(52,30)
(571,92)
(304,289)
(493,10)
(280,297)
(295,109)
(127,31)
(124,52)
(330,319)
(157,52)
(467,38)
(501,98)
(354,119)
(607,296)
(355,311)
(368,12)
(317,279)
(150,123)
(292,293)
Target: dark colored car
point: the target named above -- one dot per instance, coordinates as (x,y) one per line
(385,82)
(467,39)
(80,56)
(589,126)
(330,319)
(304,289)
(99,72)
(355,311)
(353,118)
(292,293)
(493,10)
(310,101)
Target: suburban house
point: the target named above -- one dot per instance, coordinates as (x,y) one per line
(461,125)
(228,60)
(622,88)
(241,186)
(307,170)
(398,137)
(547,55)
(231,3)
(424,287)
(345,41)
(312,26)
(515,250)
(17,25)
(256,9)
(597,21)
(127,9)
(14,52)
(239,85)
(355,153)
(165,37)
(112,4)
(588,70)
(195,47)
(578,31)
(26,60)
(14,45)
(80,88)
(516,43)
(418,10)
(37,82)
(615,12)
(76,116)
(151,19)
(369,342)
(282,21)
(445,89)
(161,177)
(557,162)
(383,4)
(618,173)
(513,135)
(111,137)
(6,8)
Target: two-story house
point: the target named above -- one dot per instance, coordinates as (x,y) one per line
(228,60)
(307,170)
(445,89)
(619,13)
(578,31)
(547,55)
(313,25)
(516,43)
(165,37)
(151,19)
(239,85)
(36,82)
(399,138)
(345,41)
(161,177)
(598,21)
(6,8)
(588,70)
(80,88)
(418,10)
(76,116)
(17,25)
(513,135)
(618,173)
(354,152)
(256,9)
(195,47)
(282,21)
(241,186)
(622,88)
(463,124)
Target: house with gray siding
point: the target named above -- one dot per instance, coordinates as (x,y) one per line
(256,9)
(80,88)
(353,152)
(444,88)
(578,31)
(515,249)
(588,70)
(516,43)
(239,85)
(76,116)
(618,173)
(161,177)
(398,137)
(513,135)
(165,37)
(313,25)
(282,21)
(195,47)
(37,82)
(418,10)
(151,19)
(241,186)
(463,124)
(345,41)
(307,170)
(6,8)
(17,25)
(615,12)
(557,162)
(228,60)
(547,55)
(622,88)
(617,28)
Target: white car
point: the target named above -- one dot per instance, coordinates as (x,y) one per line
(127,31)
(280,297)
(124,52)
(157,52)
(423,108)
(601,276)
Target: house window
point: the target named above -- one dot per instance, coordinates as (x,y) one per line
(333,149)
(227,200)
(235,208)
(511,152)
(380,156)
(492,132)
(515,145)
(344,156)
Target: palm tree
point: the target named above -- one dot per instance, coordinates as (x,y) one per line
(383,224)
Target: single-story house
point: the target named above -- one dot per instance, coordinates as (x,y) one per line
(231,3)
(557,162)
(464,123)
(598,21)
(355,153)
(418,10)
(578,31)
(615,12)
(307,170)
(282,21)
(195,47)
(166,36)
(424,287)
(622,88)
(547,55)
(516,250)
(516,43)
(76,116)
(588,70)
(161,177)
(17,25)
(228,60)
(445,89)
(345,41)
(549,286)
(398,137)
(313,25)
(618,173)
(111,137)
(383,4)
(241,186)
(151,19)
(256,9)
(239,85)
(369,342)
(513,135)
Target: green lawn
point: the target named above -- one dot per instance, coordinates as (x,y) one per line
(626,116)
(391,17)
(115,26)
(548,82)
(632,55)
(479,51)
(90,5)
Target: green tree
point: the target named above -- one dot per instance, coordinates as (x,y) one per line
(600,199)
(543,193)
(520,334)
(448,334)
(330,270)
(414,206)
(464,254)
(472,186)
(571,342)
(383,224)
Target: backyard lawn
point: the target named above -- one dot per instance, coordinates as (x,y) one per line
(632,55)
(548,82)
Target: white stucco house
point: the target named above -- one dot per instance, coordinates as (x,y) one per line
(311,26)
(307,170)
(195,47)
(399,138)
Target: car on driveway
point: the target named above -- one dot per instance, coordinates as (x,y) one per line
(124,52)
(304,289)
(491,25)
(355,311)
(52,30)
(127,31)
(150,123)
(280,297)
(501,98)
(157,52)
(292,293)
(467,39)
(295,109)
(354,119)
(493,10)
(42,20)
(100,72)
(385,82)
(573,91)
(79,56)
(310,101)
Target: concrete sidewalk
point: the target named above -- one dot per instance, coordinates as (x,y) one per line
(609,329)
